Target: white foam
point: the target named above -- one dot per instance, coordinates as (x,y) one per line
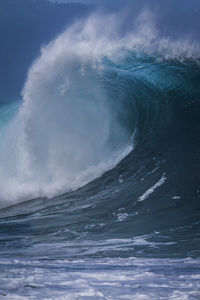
(65,133)
(109,278)
(153,188)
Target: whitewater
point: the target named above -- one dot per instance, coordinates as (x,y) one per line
(99,167)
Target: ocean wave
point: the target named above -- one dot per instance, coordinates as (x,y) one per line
(92,89)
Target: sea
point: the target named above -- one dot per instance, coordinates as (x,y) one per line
(100,167)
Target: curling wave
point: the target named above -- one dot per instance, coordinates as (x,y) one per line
(92,95)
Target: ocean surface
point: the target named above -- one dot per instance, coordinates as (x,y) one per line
(99,167)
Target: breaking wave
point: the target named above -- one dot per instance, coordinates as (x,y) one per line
(96,91)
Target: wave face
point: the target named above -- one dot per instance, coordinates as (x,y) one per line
(106,142)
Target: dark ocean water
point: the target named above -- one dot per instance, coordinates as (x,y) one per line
(105,141)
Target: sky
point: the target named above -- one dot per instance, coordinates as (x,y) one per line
(180,4)
(80,1)
(98,2)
